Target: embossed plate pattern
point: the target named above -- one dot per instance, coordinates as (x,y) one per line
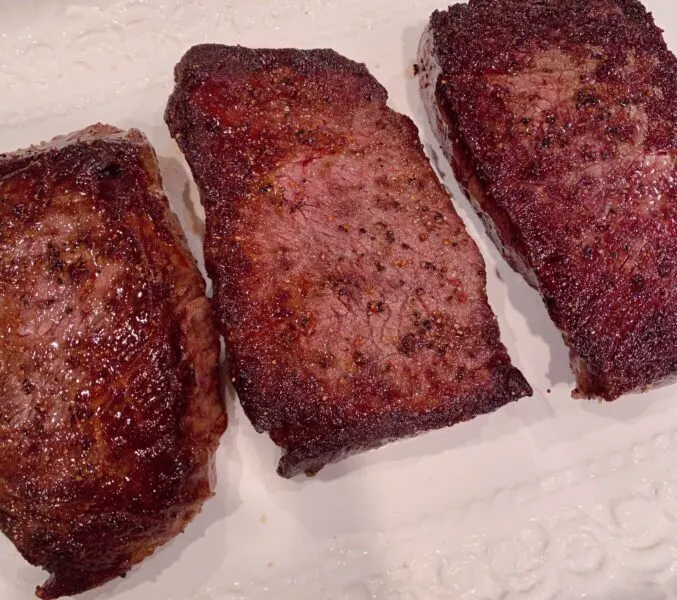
(546,499)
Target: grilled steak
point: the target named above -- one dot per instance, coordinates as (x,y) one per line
(560,120)
(351,298)
(110,408)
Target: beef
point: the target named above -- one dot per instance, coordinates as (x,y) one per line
(110,408)
(560,120)
(351,297)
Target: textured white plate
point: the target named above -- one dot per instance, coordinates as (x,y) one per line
(546,499)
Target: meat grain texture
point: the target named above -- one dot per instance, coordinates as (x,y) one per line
(560,120)
(351,297)
(110,407)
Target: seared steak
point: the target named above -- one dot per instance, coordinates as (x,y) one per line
(110,408)
(351,298)
(560,120)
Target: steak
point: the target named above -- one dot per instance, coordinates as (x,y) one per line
(351,297)
(110,407)
(560,120)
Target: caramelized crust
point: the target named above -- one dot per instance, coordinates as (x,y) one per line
(110,408)
(351,298)
(560,121)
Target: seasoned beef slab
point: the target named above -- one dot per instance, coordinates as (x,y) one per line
(351,298)
(110,407)
(560,120)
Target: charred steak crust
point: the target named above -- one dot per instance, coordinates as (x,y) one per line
(560,120)
(351,298)
(110,409)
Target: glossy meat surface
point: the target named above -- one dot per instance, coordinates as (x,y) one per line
(110,407)
(560,120)
(351,298)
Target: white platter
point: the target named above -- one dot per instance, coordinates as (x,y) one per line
(546,499)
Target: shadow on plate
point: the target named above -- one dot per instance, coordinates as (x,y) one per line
(179,189)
